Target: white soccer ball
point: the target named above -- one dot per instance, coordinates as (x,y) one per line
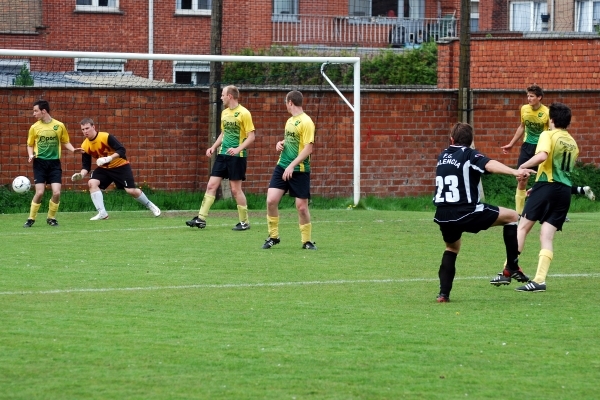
(21,184)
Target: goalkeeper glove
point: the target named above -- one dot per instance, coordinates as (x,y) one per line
(77,177)
(103,160)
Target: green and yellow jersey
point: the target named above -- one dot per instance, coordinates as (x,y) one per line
(103,145)
(236,124)
(299,131)
(47,138)
(535,122)
(562,153)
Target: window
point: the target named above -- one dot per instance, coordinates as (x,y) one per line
(387,8)
(194,7)
(99,65)
(527,15)
(474,22)
(191,72)
(285,10)
(587,16)
(97,5)
(13,66)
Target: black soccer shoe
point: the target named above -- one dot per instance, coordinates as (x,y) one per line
(241,226)
(309,246)
(52,222)
(196,222)
(29,223)
(270,242)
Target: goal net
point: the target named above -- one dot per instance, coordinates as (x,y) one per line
(159,106)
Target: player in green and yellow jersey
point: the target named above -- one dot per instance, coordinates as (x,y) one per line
(237,133)
(534,120)
(550,196)
(292,172)
(44,143)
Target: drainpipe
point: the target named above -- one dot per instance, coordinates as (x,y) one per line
(150,38)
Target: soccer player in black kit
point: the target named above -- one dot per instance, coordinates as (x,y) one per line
(458,207)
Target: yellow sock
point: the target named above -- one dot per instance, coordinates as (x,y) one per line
(273,226)
(305,232)
(33,210)
(543,265)
(52,209)
(520,197)
(207,202)
(243,213)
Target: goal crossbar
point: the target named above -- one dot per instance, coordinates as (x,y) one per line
(355,61)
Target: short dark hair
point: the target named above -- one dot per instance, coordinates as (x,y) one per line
(560,114)
(87,121)
(295,97)
(536,90)
(462,134)
(42,105)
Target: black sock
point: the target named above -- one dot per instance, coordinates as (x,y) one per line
(576,190)
(447,272)
(512,247)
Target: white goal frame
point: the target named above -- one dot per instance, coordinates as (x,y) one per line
(355,61)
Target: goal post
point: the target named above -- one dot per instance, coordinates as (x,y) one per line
(182,59)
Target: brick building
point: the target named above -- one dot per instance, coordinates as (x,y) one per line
(402,130)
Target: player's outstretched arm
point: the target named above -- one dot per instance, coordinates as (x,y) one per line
(515,139)
(496,167)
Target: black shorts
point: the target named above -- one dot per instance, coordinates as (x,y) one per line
(548,202)
(298,185)
(47,171)
(230,167)
(122,177)
(454,222)
(526,154)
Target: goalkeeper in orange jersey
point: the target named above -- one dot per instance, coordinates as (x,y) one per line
(113,167)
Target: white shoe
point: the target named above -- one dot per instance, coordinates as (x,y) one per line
(99,217)
(588,193)
(155,210)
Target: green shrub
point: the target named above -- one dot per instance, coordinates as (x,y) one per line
(411,67)
(24,77)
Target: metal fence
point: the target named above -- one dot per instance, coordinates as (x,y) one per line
(350,31)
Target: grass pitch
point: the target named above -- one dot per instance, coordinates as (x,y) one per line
(139,307)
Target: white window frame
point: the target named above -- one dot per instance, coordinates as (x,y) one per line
(537,8)
(474,15)
(13,65)
(101,64)
(191,66)
(97,8)
(285,11)
(194,10)
(584,16)
(360,8)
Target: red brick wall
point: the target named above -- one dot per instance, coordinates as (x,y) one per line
(402,132)
(515,63)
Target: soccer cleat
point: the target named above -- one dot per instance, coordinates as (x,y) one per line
(500,280)
(99,217)
(588,193)
(567,219)
(196,222)
(532,286)
(270,242)
(505,277)
(309,246)
(155,210)
(241,226)
(443,298)
(52,222)
(29,223)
